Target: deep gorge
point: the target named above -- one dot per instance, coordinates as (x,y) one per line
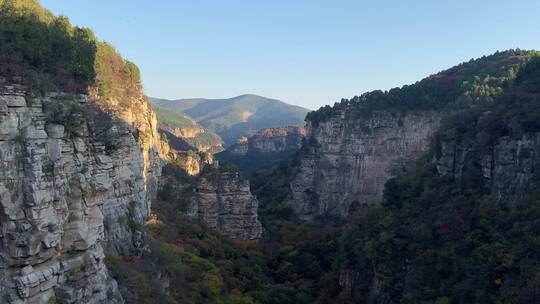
(427,193)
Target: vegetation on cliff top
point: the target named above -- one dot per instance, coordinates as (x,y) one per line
(473,83)
(49,53)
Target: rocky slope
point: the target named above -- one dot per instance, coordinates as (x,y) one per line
(191,162)
(264,148)
(185,132)
(509,168)
(223,202)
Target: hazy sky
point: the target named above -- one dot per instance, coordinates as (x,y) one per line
(305,52)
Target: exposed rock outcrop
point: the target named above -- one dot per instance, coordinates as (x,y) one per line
(72,179)
(192,138)
(271,140)
(507,170)
(191,162)
(185,132)
(240,148)
(224,203)
(347,159)
(264,148)
(137,160)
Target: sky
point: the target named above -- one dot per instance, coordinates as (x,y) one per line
(304,52)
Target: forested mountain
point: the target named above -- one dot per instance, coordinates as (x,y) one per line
(233,117)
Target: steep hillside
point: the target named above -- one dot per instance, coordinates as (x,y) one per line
(231,118)
(184,134)
(353,148)
(264,148)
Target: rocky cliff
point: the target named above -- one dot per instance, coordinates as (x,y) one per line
(78,172)
(264,148)
(223,202)
(185,132)
(354,147)
(347,159)
(191,162)
(503,161)
(271,140)
(138,152)
(74,179)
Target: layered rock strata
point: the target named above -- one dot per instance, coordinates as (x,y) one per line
(507,170)
(271,140)
(347,159)
(223,202)
(73,180)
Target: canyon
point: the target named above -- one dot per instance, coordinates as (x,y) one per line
(427,193)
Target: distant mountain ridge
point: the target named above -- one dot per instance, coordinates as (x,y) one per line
(184,133)
(231,118)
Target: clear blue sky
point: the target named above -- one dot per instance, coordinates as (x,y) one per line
(305,52)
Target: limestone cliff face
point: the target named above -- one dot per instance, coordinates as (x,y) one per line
(347,159)
(508,169)
(73,180)
(224,203)
(191,162)
(271,140)
(137,159)
(264,148)
(240,148)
